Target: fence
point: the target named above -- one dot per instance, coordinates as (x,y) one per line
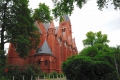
(38,78)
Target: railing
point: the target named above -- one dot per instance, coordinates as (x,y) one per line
(38,78)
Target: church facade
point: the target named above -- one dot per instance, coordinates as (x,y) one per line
(56,45)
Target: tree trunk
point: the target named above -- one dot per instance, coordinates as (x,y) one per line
(3,27)
(2,38)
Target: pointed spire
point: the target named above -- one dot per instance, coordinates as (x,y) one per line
(36,24)
(44,49)
(65,17)
(52,25)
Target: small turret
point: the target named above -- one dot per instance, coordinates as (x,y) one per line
(51,29)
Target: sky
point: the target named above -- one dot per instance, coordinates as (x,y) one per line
(90,18)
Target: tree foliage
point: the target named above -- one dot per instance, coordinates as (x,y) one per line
(95,39)
(116,51)
(95,62)
(42,13)
(67,6)
(2,62)
(18,73)
(17,26)
(87,68)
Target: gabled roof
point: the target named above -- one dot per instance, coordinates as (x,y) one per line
(44,49)
(36,25)
(46,25)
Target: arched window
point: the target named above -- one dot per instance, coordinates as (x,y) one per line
(46,62)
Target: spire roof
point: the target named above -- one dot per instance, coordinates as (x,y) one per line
(66,17)
(46,25)
(44,49)
(52,25)
(36,25)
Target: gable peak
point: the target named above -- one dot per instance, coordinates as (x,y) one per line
(52,25)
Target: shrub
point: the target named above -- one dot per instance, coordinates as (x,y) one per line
(18,74)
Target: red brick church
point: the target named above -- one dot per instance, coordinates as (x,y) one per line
(55,47)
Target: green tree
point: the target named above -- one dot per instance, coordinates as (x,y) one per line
(95,62)
(91,64)
(67,6)
(90,39)
(17,26)
(18,73)
(95,39)
(2,62)
(117,56)
(116,52)
(42,13)
(87,68)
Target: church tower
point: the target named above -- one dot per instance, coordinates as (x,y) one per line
(51,36)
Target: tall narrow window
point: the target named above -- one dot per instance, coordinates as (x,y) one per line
(39,62)
(46,62)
